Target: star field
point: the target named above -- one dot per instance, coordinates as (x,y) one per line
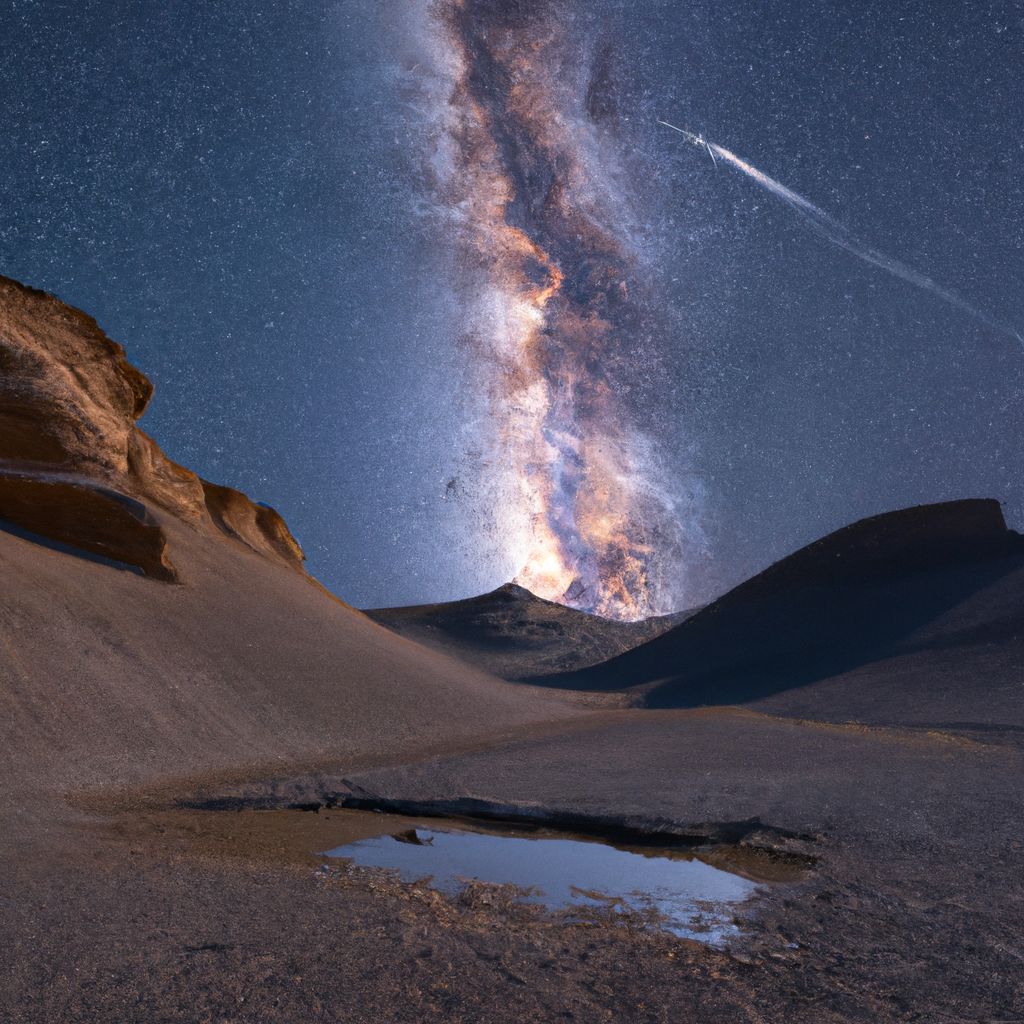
(235,191)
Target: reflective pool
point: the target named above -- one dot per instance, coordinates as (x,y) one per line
(675,891)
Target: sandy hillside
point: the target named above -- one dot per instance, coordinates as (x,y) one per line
(153,624)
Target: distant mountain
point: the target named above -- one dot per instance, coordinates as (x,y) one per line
(514,634)
(935,593)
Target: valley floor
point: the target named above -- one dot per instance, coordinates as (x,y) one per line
(912,911)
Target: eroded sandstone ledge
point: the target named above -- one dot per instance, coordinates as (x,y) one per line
(74,466)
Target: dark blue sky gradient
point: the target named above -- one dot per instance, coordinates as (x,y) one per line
(231,190)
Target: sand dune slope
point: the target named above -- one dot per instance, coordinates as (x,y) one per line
(155,625)
(107,676)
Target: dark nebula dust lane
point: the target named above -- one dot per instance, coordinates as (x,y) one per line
(560,307)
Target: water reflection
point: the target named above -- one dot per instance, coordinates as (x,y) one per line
(681,894)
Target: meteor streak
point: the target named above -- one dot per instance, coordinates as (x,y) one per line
(839,235)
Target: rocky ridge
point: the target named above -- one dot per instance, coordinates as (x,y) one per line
(76,469)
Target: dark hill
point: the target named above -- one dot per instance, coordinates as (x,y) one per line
(901,584)
(514,634)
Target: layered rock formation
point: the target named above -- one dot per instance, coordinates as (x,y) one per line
(74,466)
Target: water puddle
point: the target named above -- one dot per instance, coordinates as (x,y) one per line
(671,889)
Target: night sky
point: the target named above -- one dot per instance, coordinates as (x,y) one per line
(236,191)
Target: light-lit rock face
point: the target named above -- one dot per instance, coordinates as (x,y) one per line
(75,468)
(257,526)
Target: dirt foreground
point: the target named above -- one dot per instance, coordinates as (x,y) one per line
(911,911)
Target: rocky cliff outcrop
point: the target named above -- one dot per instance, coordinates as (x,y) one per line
(74,466)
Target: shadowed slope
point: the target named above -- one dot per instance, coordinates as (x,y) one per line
(106,676)
(856,596)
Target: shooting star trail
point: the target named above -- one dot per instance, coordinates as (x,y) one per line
(839,235)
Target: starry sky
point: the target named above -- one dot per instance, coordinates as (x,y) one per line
(236,191)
